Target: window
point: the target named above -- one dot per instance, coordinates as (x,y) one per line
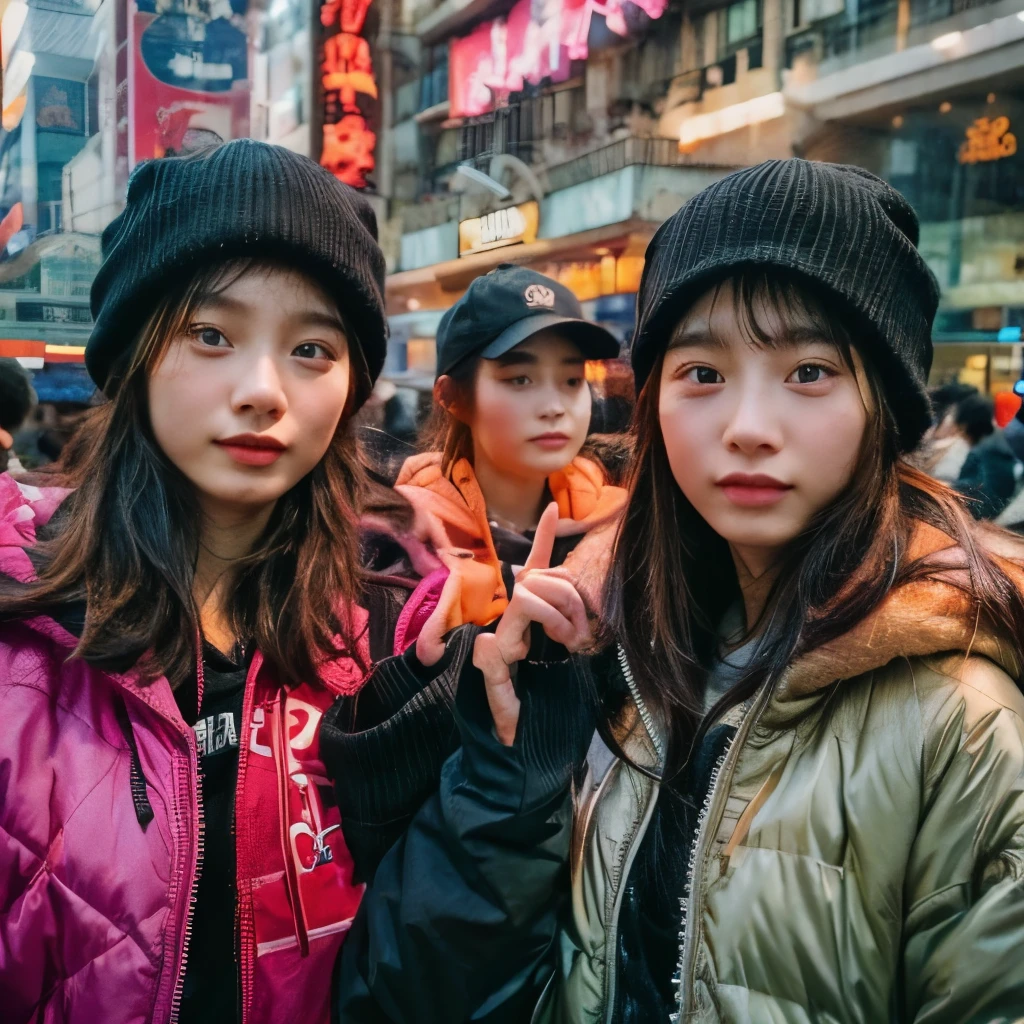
(739,24)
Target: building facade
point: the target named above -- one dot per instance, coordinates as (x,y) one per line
(555,133)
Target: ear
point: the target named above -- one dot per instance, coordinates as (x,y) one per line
(445,395)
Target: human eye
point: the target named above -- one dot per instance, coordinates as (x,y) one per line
(208,337)
(810,373)
(314,350)
(703,375)
(520,381)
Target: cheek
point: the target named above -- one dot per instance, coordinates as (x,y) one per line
(180,406)
(497,415)
(688,443)
(830,440)
(317,407)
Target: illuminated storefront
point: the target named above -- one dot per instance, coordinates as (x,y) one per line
(956,158)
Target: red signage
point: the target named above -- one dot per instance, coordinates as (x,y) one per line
(538,40)
(350,92)
(188,76)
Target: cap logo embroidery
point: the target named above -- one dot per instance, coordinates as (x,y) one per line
(539,296)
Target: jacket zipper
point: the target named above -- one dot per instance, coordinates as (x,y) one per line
(246,926)
(710,815)
(639,825)
(200,848)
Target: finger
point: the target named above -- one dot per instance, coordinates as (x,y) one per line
(501,694)
(430,643)
(562,595)
(535,609)
(543,539)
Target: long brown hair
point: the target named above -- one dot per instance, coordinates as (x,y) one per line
(445,432)
(127,540)
(673,579)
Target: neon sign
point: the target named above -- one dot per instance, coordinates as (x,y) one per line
(988,139)
(350,91)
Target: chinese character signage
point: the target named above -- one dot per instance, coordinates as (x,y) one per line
(188,75)
(538,40)
(988,139)
(349,91)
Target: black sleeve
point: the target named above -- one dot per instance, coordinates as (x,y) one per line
(461,918)
(384,746)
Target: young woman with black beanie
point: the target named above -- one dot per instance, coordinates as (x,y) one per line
(171,636)
(805,796)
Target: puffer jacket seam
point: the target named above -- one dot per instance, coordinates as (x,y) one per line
(67,818)
(913,908)
(65,978)
(122,932)
(59,703)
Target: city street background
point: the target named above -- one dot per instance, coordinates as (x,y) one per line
(555,133)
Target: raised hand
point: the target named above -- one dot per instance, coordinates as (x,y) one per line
(539,596)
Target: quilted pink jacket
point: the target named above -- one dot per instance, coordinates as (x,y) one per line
(101,831)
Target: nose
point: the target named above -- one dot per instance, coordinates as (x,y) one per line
(552,404)
(260,390)
(754,425)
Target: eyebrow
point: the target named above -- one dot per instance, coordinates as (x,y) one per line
(699,334)
(514,358)
(308,318)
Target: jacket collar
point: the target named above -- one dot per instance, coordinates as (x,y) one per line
(923,618)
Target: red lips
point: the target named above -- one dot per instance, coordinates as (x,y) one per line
(753,490)
(253,449)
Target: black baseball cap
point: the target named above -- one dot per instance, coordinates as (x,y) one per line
(504,308)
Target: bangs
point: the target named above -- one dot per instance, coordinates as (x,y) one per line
(774,308)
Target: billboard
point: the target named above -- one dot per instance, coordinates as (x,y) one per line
(537,41)
(188,78)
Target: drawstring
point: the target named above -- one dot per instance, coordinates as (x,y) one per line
(137,780)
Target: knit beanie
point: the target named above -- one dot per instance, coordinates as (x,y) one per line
(243,199)
(837,226)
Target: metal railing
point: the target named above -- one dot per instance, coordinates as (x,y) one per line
(654,151)
(874,27)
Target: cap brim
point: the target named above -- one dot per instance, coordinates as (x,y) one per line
(593,340)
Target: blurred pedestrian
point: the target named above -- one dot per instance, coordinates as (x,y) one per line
(944,450)
(16,401)
(989,473)
(172,849)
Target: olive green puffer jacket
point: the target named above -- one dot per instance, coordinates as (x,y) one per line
(860,857)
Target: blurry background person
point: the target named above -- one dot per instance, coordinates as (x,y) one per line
(16,401)
(989,473)
(945,446)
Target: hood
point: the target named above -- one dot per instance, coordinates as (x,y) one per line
(451,516)
(919,619)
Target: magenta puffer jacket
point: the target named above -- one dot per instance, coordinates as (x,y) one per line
(101,831)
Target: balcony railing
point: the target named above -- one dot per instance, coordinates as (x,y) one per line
(655,151)
(875,28)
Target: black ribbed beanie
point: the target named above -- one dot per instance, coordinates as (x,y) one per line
(242,199)
(837,226)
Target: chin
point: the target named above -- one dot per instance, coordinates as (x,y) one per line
(246,494)
(755,529)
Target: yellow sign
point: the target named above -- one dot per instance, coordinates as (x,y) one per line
(988,139)
(504,227)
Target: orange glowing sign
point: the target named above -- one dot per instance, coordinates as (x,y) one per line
(350,90)
(988,139)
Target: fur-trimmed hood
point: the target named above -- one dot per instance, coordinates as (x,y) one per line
(919,619)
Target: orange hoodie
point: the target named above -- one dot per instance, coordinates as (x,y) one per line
(451,516)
